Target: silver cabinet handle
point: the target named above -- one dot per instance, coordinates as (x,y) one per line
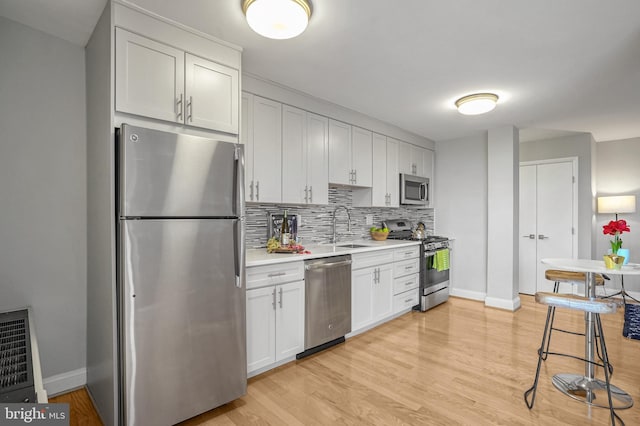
(408,300)
(306,194)
(274,299)
(251,191)
(257,190)
(276,274)
(530,236)
(408,283)
(190,109)
(180,107)
(355,176)
(280,297)
(542,237)
(408,268)
(311,194)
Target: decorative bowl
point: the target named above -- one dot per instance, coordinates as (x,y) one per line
(379,235)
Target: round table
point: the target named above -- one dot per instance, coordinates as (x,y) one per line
(585,387)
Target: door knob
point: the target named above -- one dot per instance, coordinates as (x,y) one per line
(530,236)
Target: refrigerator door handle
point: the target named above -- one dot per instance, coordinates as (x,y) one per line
(239,224)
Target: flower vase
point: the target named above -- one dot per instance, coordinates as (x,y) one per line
(624,253)
(613,261)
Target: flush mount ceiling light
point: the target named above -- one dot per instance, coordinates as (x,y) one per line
(478,103)
(277,19)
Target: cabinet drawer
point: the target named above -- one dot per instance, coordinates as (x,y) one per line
(405,300)
(261,276)
(402,284)
(376,258)
(406,253)
(406,267)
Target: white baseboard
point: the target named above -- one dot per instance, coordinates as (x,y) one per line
(467,294)
(65,382)
(509,305)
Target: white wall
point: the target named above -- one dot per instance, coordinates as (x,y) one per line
(461,211)
(43,192)
(618,173)
(580,146)
(503,174)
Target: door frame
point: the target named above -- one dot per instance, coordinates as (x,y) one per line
(574,166)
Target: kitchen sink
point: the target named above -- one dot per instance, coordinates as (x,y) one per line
(351,245)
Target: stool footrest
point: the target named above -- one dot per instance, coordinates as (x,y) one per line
(579,303)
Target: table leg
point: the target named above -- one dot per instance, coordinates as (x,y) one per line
(587,388)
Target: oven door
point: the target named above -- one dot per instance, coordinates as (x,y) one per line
(432,276)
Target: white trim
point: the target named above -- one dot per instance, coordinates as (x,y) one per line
(510,305)
(467,294)
(65,382)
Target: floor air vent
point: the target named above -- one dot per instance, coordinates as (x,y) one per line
(16,366)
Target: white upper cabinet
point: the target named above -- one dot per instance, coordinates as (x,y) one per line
(350,155)
(158,81)
(340,170)
(361,156)
(211,95)
(411,159)
(385,182)
(305,155)
(149,77)
(262,136)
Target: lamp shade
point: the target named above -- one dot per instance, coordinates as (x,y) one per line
(617,204)
(277,19)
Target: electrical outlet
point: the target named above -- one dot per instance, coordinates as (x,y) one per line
(368,219)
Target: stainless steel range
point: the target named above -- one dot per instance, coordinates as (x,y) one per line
(434,277)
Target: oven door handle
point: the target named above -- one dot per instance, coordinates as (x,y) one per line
(429,253)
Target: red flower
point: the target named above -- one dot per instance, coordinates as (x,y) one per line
(615,227)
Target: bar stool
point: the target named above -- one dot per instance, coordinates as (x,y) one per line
(570,277)
(583,304)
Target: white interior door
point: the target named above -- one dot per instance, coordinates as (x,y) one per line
(554,216)
(528,230)
(547,221)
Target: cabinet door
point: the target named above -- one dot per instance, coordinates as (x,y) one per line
(149,78)
(267,150)
(379,193)
(362,156)
(289,319)
(428,157)
(294,182)
(382,294)
(211,91)
(246,138)
(406,163)
(340,171)
(317,159)
(393,179)
(261,327)
(361,298)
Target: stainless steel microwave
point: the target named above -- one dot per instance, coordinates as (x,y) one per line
(414,190)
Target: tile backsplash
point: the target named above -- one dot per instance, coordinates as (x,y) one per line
(316,221)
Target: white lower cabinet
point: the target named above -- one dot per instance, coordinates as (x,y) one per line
(275,319)
(371,288)
(406,279)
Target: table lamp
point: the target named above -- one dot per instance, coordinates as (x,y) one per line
(617,204)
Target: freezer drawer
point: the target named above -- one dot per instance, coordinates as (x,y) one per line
(182,325)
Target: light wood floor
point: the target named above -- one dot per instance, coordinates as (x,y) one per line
(460,363)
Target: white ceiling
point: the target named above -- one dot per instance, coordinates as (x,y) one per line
(562,66)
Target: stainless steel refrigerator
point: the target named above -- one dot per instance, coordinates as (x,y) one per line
(180,275)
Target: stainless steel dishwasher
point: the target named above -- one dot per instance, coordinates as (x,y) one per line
(327,302)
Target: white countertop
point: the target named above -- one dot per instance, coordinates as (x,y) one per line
(589,265)
(258,257)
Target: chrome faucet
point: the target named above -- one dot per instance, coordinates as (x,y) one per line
(333,239)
